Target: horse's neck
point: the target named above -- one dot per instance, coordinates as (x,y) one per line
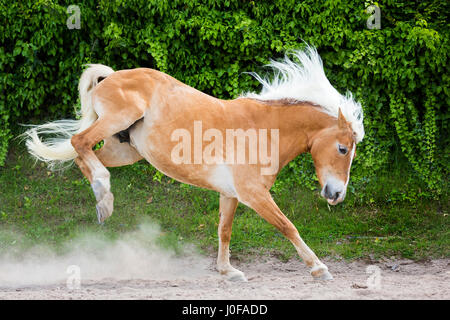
(298,124)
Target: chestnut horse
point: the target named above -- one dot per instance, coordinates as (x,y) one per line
(138,112)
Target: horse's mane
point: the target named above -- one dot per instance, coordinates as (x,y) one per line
(306,81)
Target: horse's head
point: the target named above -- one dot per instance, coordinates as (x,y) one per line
(333,150)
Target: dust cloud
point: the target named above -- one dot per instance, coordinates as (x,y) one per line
(134,255)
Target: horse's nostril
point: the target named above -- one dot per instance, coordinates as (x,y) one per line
(327,192)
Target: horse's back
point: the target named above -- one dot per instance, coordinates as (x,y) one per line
(127,83)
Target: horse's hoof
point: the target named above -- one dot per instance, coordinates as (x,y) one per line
(326,276)
(99,215)
(236,276)
(233,275)
(321,273)
(105,208)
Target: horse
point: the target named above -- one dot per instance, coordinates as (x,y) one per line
(146,114)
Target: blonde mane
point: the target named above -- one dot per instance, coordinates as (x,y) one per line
(306,81)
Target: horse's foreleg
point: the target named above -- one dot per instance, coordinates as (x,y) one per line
(227,208)
(262,202)
(92,167)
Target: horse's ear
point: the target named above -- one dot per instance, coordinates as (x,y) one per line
(342,122)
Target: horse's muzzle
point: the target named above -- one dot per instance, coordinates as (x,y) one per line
(334,192)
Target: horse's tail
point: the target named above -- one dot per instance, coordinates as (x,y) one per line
(58,149)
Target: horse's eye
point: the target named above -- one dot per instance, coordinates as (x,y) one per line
(342,149)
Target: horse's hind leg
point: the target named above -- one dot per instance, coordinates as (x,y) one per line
(92,167)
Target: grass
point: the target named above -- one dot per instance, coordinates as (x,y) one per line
(42,207)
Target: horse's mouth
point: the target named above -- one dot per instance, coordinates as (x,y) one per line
(334,202)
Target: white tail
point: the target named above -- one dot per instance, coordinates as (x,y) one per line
(59,149)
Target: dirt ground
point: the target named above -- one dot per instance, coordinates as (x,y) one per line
(270,279)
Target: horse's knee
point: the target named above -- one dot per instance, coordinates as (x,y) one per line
(288,229)
(225,236)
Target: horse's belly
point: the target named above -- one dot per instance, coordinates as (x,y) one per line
(154,142)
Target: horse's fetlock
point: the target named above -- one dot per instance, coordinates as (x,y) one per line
(100,188)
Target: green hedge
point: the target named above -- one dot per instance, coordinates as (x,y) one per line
(399,72)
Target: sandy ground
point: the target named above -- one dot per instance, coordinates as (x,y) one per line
(270,279)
